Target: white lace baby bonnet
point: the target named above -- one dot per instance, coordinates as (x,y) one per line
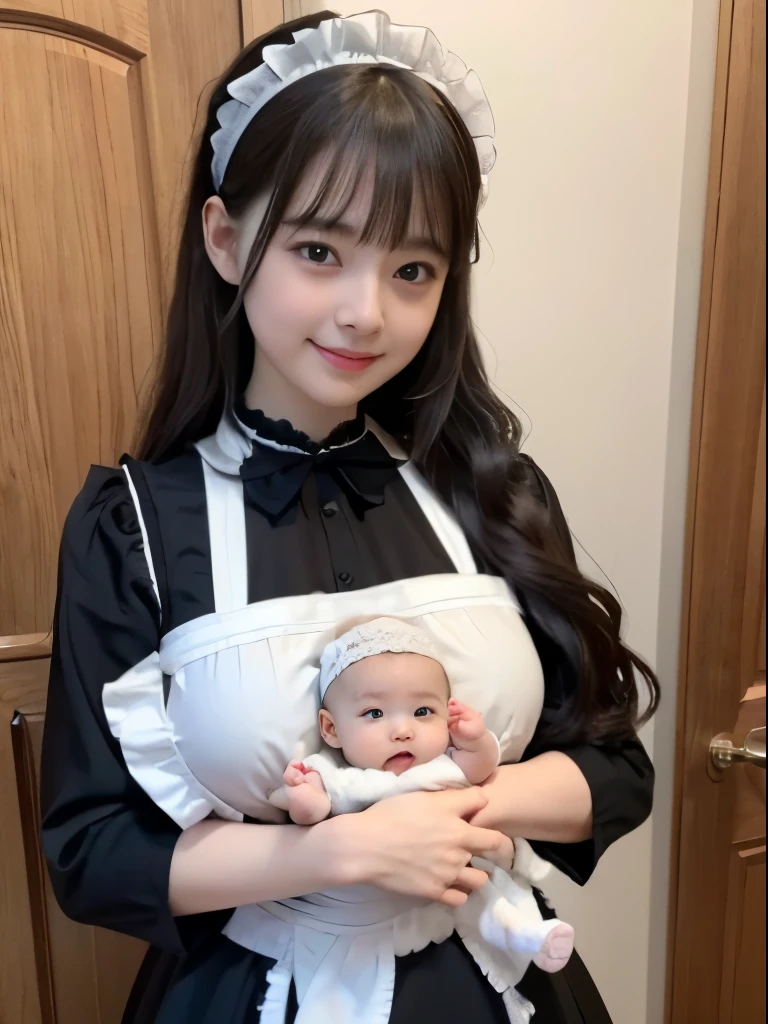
(381,636)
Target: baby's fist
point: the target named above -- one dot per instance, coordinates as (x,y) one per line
(295,774)
(463,721)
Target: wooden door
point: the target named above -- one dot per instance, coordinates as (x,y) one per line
(717,926)
(98,100)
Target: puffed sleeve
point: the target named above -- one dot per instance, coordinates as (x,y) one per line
(620,775)
(108,846)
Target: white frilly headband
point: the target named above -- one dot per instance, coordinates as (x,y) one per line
(360,39)
(381,636)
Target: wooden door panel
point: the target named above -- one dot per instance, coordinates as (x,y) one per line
(191,42)
(722,643)
(753,624)
(83,973)
(259,16)
(749,783)
(22,685)
(743,992)
(81,314)
(109,21)
(742,997)
(98,104)
(96,141)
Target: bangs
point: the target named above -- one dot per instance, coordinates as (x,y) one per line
(395,138)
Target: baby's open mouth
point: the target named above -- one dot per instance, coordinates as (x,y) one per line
(399,763)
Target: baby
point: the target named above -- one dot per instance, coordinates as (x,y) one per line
(386,707)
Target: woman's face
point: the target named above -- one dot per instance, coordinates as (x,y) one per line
(333,318)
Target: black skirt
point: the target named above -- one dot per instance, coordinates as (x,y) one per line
(223,982)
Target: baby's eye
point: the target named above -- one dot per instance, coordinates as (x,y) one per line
(422,712)
(374,713)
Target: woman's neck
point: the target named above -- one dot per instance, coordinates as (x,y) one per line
(278,399)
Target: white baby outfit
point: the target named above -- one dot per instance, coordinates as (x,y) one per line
(208,724)
(351,789)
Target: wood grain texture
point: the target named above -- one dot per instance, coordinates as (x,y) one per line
(260,16)
(22,687)
(76,325)
(98,103)
(115,24)
(725,539)
(26,754)
(25,645)
(742,994)
(84,974)
(295,9)
(753,631)
(191,44)
(749,809)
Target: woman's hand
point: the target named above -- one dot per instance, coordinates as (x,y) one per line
(420,844)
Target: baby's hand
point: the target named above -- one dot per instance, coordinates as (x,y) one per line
(308,802)
(464,723)
(296,773)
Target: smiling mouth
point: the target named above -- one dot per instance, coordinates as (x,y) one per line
(344,359)
(399,763)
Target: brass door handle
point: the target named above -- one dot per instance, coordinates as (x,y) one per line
(723,754)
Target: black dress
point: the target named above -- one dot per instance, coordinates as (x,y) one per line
(109,847)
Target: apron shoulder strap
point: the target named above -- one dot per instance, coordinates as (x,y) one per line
(150,532)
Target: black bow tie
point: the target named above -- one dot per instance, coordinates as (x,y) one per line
(273,478)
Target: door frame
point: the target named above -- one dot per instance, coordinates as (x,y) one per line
(719,520)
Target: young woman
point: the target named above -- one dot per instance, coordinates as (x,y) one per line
(323,443)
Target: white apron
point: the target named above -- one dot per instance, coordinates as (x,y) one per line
(240,700)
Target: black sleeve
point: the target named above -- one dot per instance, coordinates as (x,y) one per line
(620,775)
(108,846)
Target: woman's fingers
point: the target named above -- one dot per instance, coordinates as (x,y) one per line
(453,898)
(464,802)
(469,879)
(492,845)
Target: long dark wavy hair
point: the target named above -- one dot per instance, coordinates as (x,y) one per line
(462,438)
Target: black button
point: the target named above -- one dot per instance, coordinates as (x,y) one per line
(345,577)
(330,509)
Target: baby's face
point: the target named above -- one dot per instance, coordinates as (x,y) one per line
(389,712)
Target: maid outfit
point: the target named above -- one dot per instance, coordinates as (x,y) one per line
(195,599)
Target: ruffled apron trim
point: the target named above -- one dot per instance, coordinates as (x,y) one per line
(341,955)
(135,708)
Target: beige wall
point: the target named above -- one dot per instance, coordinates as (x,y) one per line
(587,297)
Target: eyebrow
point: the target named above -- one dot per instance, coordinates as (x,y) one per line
(339,227)
(379,695)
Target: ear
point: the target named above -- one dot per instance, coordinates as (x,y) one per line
(221,238)
(328,729)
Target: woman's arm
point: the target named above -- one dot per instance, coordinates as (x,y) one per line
(220,864)
(108,846)
(547,798)
(418,844)
(572,804)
